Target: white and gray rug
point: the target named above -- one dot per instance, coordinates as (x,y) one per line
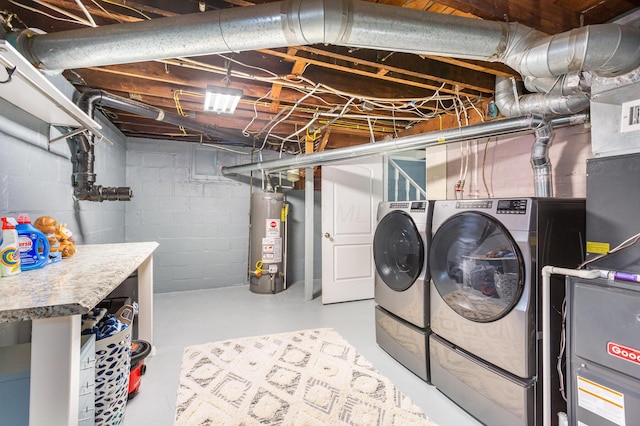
(302,378)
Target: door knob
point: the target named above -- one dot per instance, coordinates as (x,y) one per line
(327,235)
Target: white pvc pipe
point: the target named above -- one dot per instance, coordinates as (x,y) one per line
(547,271)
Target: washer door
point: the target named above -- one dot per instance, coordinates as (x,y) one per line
(476,266)
(398,250)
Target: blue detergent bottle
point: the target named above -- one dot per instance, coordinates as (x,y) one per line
(33,245)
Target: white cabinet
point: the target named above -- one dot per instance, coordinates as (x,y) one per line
(24,86)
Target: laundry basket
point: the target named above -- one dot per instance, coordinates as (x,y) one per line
(507,286)
(113,360)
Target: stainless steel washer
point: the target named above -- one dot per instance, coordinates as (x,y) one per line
(485,263)
(400,251)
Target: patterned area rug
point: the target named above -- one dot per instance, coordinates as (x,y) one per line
(303,378)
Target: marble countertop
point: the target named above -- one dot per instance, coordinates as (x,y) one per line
(72,286)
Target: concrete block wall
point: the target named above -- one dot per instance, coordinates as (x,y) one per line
(507,167)
(202,225)
(36,179)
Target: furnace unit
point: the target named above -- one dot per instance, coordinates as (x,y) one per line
(603,352)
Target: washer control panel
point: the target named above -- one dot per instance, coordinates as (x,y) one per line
(474,204)
(512,207)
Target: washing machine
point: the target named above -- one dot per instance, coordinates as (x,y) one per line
(485,262)
(400,252)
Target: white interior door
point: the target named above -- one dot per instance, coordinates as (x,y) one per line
(351,192)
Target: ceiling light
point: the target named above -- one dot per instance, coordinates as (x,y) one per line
(221,100)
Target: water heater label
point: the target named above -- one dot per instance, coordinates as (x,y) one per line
(271,250)
(619,351)
(272,228)
(601,400)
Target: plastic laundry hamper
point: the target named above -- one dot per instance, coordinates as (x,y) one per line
(113,361)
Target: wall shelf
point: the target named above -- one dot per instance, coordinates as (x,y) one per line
(25,87)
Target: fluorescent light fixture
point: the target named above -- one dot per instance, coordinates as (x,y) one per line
(221,100)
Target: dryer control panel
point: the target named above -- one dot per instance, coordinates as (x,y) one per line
(419,206)
(512,207)
(414,206)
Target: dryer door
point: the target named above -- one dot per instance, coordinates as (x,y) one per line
(398,250)
(476,266)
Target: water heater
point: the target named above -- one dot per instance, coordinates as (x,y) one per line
(267,242)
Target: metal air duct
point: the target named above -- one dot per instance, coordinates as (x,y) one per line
(540,162)
(539,155)
(607,49)
(512,104)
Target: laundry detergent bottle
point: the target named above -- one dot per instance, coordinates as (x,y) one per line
(9,254)
(32,244)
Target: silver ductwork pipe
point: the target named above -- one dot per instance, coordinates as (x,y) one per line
(607,49)
(540,161)
(512,104)
(352,23)
(539,157)
(564,85)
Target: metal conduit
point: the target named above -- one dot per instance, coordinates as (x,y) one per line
(90,98)
(483,130)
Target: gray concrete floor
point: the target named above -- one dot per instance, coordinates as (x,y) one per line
(194,317)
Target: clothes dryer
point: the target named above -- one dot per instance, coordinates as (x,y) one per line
(400,252)
(485,262)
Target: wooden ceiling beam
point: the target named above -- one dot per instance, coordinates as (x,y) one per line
(448,121)
(384,69)
(109,16)
(128,79)
(371,74)
(241,118)
(497,69)
(276,89)
(543,15)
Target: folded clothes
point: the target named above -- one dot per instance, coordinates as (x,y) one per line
(101,323)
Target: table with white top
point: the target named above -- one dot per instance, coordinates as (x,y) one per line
(54,298)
